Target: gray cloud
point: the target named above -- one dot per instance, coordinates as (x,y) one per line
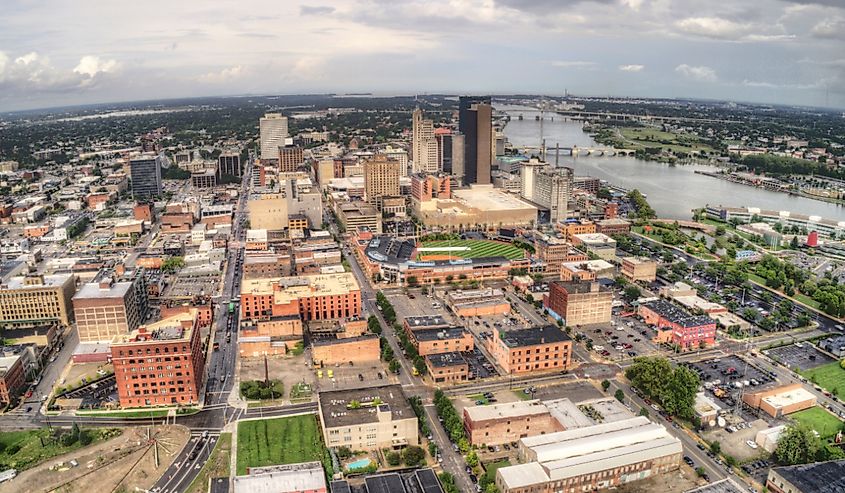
(316,10)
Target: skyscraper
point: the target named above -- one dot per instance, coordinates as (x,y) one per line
(145,172)
(290,157)
(229,163)
(553,189)
(274,130)
(424,145)
(381,179)
(476,123)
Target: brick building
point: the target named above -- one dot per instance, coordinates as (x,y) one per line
(314,297)
(613,226)
(531,350)
(269,337)
(435,341)
(361,349)
(677,326)
(12,377)
(639,269)
(578,303)
(780,401)
(161,363)
(495,424)
(555,252)
(447,367)
(36,299)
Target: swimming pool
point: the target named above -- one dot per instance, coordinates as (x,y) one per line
(359,464)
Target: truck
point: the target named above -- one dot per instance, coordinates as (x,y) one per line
(231,307)
(8,474)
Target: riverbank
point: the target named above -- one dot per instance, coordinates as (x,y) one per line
(770,184)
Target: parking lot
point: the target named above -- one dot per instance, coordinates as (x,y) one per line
(804,356)
(735,443)
(726,378)
(626,337)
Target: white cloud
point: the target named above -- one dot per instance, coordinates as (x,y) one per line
(224,75)
(632,68)
(700,72)
(832,28)
(573,64)
(713,27)
(91,65)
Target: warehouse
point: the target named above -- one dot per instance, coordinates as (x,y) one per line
(594,457)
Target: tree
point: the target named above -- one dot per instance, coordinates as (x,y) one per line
(472,458)
(798,445)
(632,292)
(413,455)
(605,385)
(393,459)
(413,281)
(374,325)
(394,366)
(715,447)
(644,412)
(620,396)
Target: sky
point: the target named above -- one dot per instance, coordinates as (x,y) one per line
(60,52)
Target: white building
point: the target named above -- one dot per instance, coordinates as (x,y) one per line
(424,145)
(274,131)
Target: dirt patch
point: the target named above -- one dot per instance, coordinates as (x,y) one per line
(122,463)
(678,481)
(734,444)
(289,369)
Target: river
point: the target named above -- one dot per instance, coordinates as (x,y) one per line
(673,191)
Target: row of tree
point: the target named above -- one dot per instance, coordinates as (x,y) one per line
(451,420)
(673,388)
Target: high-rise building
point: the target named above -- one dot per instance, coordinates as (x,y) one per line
(274,130)
(290,157)
(229,163)
(160,364)
(529,171)
(400,155)
(36,299)
(553,189)
(424,145)
(145,172)
(476,123)
(381,179)
(109,308)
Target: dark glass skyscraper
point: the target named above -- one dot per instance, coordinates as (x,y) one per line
(145,172)
(475,115)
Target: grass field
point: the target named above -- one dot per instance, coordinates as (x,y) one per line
(279,441)
(830,377)
(24,449)
(490,469)
(649,137)
(217,465)
(820,420)
(477,248)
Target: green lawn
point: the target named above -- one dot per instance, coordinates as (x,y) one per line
(830,377)
(803,298)
(24,449)
(820,420)
(217,465)
(493,467)
(640,137)
(279,441)
(477,248)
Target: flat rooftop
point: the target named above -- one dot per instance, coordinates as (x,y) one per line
(582,287)
(175,327)
(51,281)
(505,410)
(442,334)
(307,476)
(727,485)
(595,239)
(385,483)
(789,397)
(676,314)
(427,481)
(93,290)
(819,477)
(347,340)
(487,198)
(336,409)
(426,321)
(445,360)
(296,287)
(534,336)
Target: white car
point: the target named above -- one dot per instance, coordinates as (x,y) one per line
(598,348)
(751,444)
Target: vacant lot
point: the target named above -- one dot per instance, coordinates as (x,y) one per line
(474,249)
(279,441)
(23,449)
(830,377)
(820,420)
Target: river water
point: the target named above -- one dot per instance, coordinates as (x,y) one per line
(673,191)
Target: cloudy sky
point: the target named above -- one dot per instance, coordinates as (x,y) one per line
(58,52)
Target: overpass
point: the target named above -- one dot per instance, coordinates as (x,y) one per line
(576,151)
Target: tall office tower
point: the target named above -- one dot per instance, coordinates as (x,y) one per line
(290,157)
(529,171)
(424,146)
(381,179)
(229,163)
(400,155)
(476,123)
(274,131)
(458,156)
(553,189)
(145,172)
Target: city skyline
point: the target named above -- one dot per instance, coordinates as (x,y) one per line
(776,51)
